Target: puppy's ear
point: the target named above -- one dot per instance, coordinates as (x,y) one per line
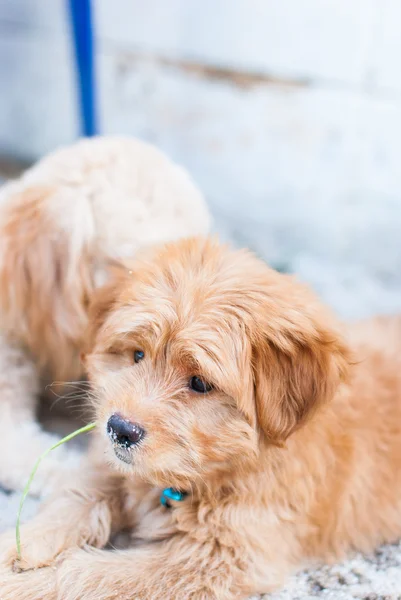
(299,359)
(45,273)
(103,301)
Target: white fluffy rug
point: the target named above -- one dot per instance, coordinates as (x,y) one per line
(376,577)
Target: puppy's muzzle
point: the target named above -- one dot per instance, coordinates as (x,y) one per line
(124,433)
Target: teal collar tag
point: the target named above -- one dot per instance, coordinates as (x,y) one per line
(171,494)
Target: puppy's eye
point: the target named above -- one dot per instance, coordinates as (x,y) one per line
(138,355)
(198,385)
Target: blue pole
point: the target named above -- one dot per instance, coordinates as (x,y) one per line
(81,21)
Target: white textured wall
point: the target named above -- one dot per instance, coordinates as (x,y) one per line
(287,112)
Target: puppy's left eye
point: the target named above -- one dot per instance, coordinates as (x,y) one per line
(198,385)
(138,355)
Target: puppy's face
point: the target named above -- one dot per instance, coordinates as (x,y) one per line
(198,352)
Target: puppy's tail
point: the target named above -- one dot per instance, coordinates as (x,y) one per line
(46,235)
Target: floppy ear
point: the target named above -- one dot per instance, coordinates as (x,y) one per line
(45,273)
(102,303)
(299,360)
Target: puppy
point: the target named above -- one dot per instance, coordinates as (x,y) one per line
(60,224)
(240,436)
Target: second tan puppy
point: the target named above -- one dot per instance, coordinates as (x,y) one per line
(228,382)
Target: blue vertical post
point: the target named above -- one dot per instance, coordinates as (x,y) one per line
(82,29)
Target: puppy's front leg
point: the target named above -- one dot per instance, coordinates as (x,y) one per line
(83,513)
(178,569)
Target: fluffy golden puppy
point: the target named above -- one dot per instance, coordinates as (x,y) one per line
(228,382)
(61,223)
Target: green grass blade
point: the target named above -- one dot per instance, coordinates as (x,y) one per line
(67,438)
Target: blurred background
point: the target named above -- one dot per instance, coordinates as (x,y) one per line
(286,112)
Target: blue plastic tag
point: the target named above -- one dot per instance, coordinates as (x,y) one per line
(171,494)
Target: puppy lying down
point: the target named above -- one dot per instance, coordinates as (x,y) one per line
(241,435)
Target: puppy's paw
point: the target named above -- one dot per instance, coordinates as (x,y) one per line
(37,550)
(8,550)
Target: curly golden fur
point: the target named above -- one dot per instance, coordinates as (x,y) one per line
(292,455)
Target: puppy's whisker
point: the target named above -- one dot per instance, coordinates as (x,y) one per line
(78,412)
(80,384)
(69,399)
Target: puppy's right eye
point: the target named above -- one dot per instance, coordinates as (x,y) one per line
(199,385)
(138,355)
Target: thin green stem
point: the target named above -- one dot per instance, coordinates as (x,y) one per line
(33,473)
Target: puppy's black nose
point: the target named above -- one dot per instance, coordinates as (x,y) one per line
(124,432)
